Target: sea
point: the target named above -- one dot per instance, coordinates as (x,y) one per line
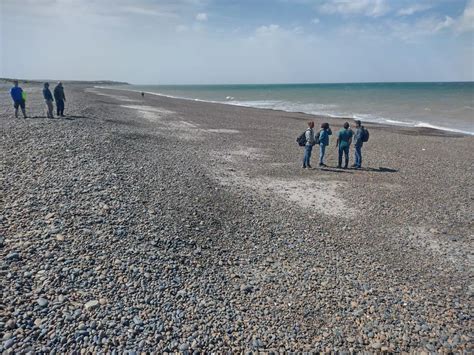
(447,106)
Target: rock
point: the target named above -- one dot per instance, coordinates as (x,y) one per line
(184,347)
(13,256)
(38,322)
(42,302)
(8,344)
(11,324)
(246,288)
(60,238)
(91,305)
(102,301)
(376,345)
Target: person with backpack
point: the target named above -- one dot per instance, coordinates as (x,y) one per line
(308,147)
(323,141)
(361,135)
(60,98)
(48,99)
(18,97)
(344,140)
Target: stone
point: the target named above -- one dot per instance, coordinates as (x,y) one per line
(11,324)
(60,238)
(42,302)
(91,305)
(13,256)
(8,344)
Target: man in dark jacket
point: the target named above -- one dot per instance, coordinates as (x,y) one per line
(48,99)
(358,143)
(60,98)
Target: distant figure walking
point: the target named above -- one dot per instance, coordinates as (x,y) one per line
(143,94)
(324,134)
(344,140)
(18,97)
(361,135)
(60,98)
(308,148)
(48,99)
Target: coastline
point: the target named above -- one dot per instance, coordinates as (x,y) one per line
(173,225)
(373,120)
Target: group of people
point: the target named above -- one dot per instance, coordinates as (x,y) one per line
(345,137)
(19,99)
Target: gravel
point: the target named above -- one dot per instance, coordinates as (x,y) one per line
(128,229)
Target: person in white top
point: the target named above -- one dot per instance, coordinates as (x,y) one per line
(308,148)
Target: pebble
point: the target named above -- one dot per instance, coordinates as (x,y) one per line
(93,304)
(42,302)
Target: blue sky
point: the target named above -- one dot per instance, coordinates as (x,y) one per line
(230,41)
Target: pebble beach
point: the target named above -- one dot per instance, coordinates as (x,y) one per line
(164,225)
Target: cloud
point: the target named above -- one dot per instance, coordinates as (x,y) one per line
(147,11)
(371,8)
(267,30)
(315,21)
(202,16)
(408,11)
(466,22)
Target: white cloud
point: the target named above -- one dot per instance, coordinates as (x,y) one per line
(202,16)
(371,8)
(266,30)
(315,21)
(408,11)
(147,11)
(466,22)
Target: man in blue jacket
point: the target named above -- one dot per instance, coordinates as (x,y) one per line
(48,99)
(16,93)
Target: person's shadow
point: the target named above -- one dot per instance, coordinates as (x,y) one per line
(380,170)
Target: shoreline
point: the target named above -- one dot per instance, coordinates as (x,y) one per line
(385,122)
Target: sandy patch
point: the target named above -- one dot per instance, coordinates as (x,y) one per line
(222,130)
(240,155)
(321,197)
(451,248)
(168,120)
(116,97)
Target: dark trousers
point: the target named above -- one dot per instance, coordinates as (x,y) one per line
(60,107)
(345,151)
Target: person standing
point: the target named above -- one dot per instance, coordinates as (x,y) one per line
(60,98)
(48,99)
(18,98)
(358,143)
(308,148)
(324,134)
(344,140)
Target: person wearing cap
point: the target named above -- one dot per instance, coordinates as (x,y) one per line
(18,98)
(60,98)
(48,99)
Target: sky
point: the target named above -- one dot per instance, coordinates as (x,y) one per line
(238,41)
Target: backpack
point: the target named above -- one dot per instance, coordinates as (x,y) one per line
(301,140)
(365,136)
